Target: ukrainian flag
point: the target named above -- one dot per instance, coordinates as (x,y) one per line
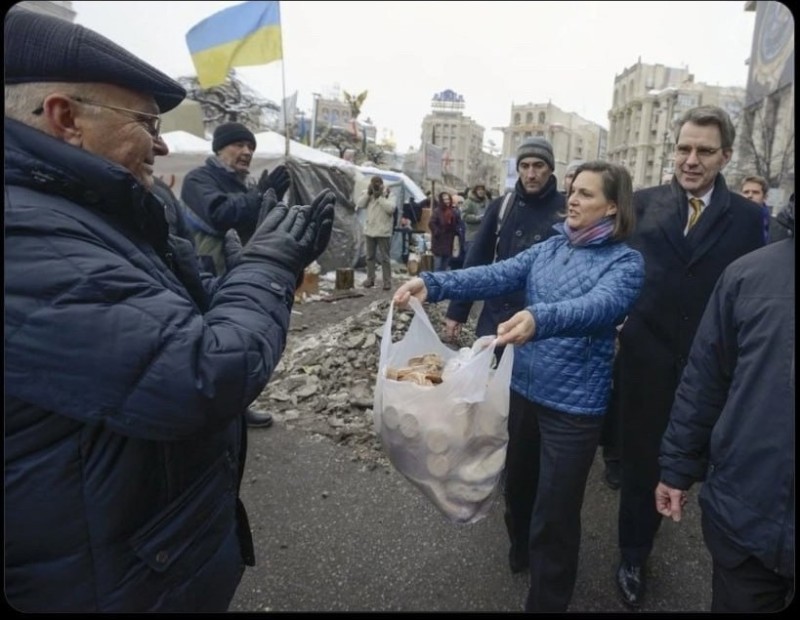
(243,35)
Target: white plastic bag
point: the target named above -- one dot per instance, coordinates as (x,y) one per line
(448,439)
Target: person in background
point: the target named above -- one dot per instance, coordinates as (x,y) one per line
(755,188)
(474,209)
(221,198)
(782,225)
(688,232)
(175,213)
(444,228)
(533,208)
(377,230)
(221,195)
(732,427)
(577,286)
(460,240)
(124,439)
(569,174)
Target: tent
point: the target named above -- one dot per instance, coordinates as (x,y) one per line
(311,171)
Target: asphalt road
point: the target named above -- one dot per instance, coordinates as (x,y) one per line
(333,535)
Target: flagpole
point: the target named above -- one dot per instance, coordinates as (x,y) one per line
(286,127)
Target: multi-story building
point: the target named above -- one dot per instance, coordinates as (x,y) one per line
(648,100)
(572,136)
(464,162)
(334,113)
(766,142)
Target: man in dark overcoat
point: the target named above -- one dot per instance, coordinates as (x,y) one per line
(688,231)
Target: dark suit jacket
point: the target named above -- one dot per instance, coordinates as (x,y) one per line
(680,273)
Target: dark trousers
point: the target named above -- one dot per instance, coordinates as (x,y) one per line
(548,460)
(739,581)
(647,391)
(610,438)
(749,587)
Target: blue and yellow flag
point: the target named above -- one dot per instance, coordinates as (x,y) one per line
(243,35)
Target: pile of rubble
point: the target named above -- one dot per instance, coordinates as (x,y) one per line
(325,381)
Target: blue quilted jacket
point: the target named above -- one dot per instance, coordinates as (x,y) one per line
(577,296)
(123,425)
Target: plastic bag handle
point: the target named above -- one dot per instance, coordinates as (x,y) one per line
(416,306)
(386,338)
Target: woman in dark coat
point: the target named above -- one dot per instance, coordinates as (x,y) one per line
(444,228)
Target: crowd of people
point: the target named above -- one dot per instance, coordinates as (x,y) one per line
(140,327)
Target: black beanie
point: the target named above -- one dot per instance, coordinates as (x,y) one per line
(228,133)
(536,147)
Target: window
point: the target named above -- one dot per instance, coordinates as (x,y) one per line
(517,119)
(542,118)
(529,118)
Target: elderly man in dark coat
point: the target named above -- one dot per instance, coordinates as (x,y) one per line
(125,377)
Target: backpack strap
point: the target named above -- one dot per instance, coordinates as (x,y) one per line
(502,215)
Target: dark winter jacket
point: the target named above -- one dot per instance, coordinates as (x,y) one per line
(577,296)
(474,209)
(218,200)
(681,270)
(732,424)
(123,400)
(529,220)
(782,225)
(185,251)
(442,233)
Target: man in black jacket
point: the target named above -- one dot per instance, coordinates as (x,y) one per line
(534,206)
(221,195)
(221,198)
(688,232)
(732,426)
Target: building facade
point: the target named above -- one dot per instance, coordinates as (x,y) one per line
(766,142)
(464,162)
(647,101)
(572,136)
(330,113)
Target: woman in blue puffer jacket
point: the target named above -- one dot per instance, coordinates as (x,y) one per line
(579,286)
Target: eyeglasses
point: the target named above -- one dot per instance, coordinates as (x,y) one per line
(703,152)
(150,122)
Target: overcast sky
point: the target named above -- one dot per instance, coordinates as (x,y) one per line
(492,53)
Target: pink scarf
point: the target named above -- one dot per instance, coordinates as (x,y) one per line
(600,230)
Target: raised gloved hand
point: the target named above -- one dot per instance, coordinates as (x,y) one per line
(231,249)
(277,180)
(290,237)
(268,202)
(324,202)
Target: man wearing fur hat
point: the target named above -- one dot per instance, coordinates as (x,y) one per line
(533,207)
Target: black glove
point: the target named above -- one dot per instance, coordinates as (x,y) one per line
(231,249)
(324,202)
(268,202)
(288,236)
(278,180)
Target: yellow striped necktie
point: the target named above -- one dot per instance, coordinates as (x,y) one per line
(697,208)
